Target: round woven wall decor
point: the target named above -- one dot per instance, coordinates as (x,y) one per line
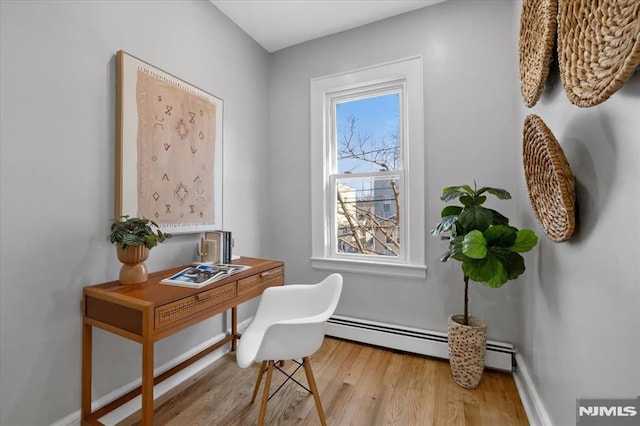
(549,180)
(598,47)
(537,36)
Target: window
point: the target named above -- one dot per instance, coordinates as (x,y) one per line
(367,175)
(368,170)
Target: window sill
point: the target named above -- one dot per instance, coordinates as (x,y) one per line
(370,268)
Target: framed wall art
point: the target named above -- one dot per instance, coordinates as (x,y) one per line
(168,149)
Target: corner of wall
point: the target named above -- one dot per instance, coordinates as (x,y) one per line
(533,406)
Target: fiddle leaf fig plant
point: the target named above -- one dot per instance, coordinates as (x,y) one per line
(481,238)
(134,231)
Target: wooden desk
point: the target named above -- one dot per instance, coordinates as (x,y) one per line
(149,312)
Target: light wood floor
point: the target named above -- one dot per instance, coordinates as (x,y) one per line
(358,384)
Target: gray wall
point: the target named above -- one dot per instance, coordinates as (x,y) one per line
(571,315)
(58,132)
(471,132)
(579,307)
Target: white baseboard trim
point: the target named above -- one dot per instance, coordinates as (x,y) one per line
(498,355)
(533,406)
(132,406)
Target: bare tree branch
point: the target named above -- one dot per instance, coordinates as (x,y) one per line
(380,234)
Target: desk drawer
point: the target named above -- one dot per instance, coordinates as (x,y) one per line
(183,308)
(265,279)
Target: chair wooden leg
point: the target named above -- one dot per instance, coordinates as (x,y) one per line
(257,387)
(265,394)
(314,389)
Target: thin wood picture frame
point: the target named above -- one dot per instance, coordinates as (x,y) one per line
(169,144)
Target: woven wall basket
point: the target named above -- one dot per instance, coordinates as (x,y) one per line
(549,180)
(537,37)
(598,47)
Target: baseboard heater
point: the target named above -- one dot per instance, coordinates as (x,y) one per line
(499,356)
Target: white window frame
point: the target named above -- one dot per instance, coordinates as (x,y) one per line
(405,75)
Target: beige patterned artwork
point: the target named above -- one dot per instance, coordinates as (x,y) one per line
(176,141)
(169,165)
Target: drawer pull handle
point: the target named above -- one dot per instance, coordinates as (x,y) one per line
(265,274)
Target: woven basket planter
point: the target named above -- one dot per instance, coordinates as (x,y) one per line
(598,47)
(467,344)
(133,270)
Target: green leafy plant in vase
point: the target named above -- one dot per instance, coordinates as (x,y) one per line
(134,237)
(488,248)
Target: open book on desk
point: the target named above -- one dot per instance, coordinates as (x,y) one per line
(198,276)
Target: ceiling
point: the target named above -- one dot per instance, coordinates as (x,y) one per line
(276,24)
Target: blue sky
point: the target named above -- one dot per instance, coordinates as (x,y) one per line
(377,115)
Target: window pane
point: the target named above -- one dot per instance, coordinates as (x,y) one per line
(367,215)
(368,134)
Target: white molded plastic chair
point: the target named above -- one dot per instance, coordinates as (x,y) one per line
(289,325)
